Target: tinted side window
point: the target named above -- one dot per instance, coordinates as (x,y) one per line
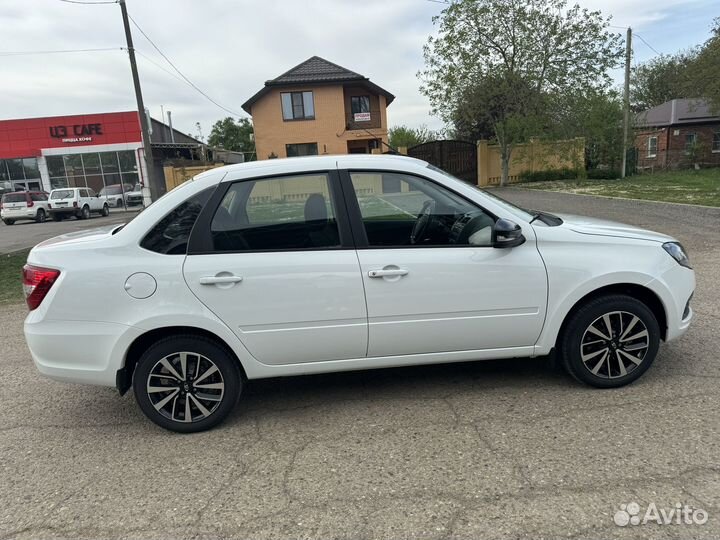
(170,236)
(404,210)
(278,213)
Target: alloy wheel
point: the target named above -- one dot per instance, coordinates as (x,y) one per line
(185,387)
(614,344)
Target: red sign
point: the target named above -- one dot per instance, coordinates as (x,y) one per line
(27,137)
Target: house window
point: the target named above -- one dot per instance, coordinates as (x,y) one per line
(360,104)
(690,140)
(716,141)
(652,146)
(297,105)
(305,149)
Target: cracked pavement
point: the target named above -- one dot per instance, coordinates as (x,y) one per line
(500,449)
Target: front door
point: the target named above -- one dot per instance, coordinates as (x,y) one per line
(432,281)
(273,259)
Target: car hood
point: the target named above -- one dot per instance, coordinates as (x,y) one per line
(79,237)
(602,227)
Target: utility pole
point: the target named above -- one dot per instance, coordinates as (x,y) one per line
(626,104)
(144,123)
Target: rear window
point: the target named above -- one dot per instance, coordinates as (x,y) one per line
(170,236)
(14,197)
(62,194)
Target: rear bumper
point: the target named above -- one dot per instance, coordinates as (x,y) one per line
(63,211)
(25,213)
(79,351)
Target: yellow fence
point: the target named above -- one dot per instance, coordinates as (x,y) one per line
(529,157)
(174,176)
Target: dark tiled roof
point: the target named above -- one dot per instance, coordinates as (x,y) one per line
(677,111)
(316,70)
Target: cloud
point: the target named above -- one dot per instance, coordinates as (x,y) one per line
(229,48)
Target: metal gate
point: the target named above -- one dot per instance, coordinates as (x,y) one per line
(459,158)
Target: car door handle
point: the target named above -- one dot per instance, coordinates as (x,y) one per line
(390,272)
(215,280)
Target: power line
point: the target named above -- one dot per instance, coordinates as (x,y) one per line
(646,43)
(25,53)
(90,3)
(234,113)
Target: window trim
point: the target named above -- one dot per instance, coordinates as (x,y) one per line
(650,138)
(356,220)
(358,97)
(200,242)
(688,147)
(715,137)
(292,107)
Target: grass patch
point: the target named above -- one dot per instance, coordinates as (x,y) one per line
(692,187)
(11,277)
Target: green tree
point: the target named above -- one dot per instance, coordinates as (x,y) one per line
(703,78)
(659,80)
(236,136)
(503,67)
(409,137)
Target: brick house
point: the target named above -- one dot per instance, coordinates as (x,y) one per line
(679,133)
(318,107)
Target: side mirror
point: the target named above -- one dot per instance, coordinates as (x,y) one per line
(507,234)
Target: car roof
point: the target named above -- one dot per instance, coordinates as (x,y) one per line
(310,163)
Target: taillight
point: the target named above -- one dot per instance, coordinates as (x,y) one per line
(37,282)
(30,203)
(74,204)
(49,206)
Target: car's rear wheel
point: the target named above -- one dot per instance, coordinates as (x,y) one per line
(9,221)
(40,217)
(85,212)
(105,210)
(118,203)
(610,341)
(187,384)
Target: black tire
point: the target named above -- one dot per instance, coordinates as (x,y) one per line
(9,221)
(196,346)
(118,203)
(41,216)
(57,217)
(621,310)
(84,213)
(105,210)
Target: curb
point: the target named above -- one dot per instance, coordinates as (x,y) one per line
(613,198)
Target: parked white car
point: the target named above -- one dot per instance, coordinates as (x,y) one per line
(334,263)
(135,196)
(116,194)
(24,205)
(78,202)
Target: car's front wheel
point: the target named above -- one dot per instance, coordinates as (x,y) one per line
(105,210)
(610,341)
(187,384)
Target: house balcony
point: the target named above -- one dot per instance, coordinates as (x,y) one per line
(361,121)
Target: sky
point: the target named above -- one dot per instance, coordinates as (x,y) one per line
(228,48)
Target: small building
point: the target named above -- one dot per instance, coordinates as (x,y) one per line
(680,133)
(318,107)
(89,150)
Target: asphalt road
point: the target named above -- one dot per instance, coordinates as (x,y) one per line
(25,234)
(510,449)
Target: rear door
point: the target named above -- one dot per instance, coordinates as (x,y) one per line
(273,258)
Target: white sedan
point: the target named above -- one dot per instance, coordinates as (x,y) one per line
(335,263)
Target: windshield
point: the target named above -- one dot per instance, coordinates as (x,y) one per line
(111,190)
(62,194)
(510,207)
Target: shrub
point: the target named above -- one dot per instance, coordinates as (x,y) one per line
(603,174)
(548,175)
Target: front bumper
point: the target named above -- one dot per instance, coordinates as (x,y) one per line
(78,351)
(675,286)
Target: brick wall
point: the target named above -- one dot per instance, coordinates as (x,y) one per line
(328,129)
(672,152)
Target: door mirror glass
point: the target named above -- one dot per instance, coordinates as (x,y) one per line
(506,234)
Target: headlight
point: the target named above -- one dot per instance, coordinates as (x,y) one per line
(677,252)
